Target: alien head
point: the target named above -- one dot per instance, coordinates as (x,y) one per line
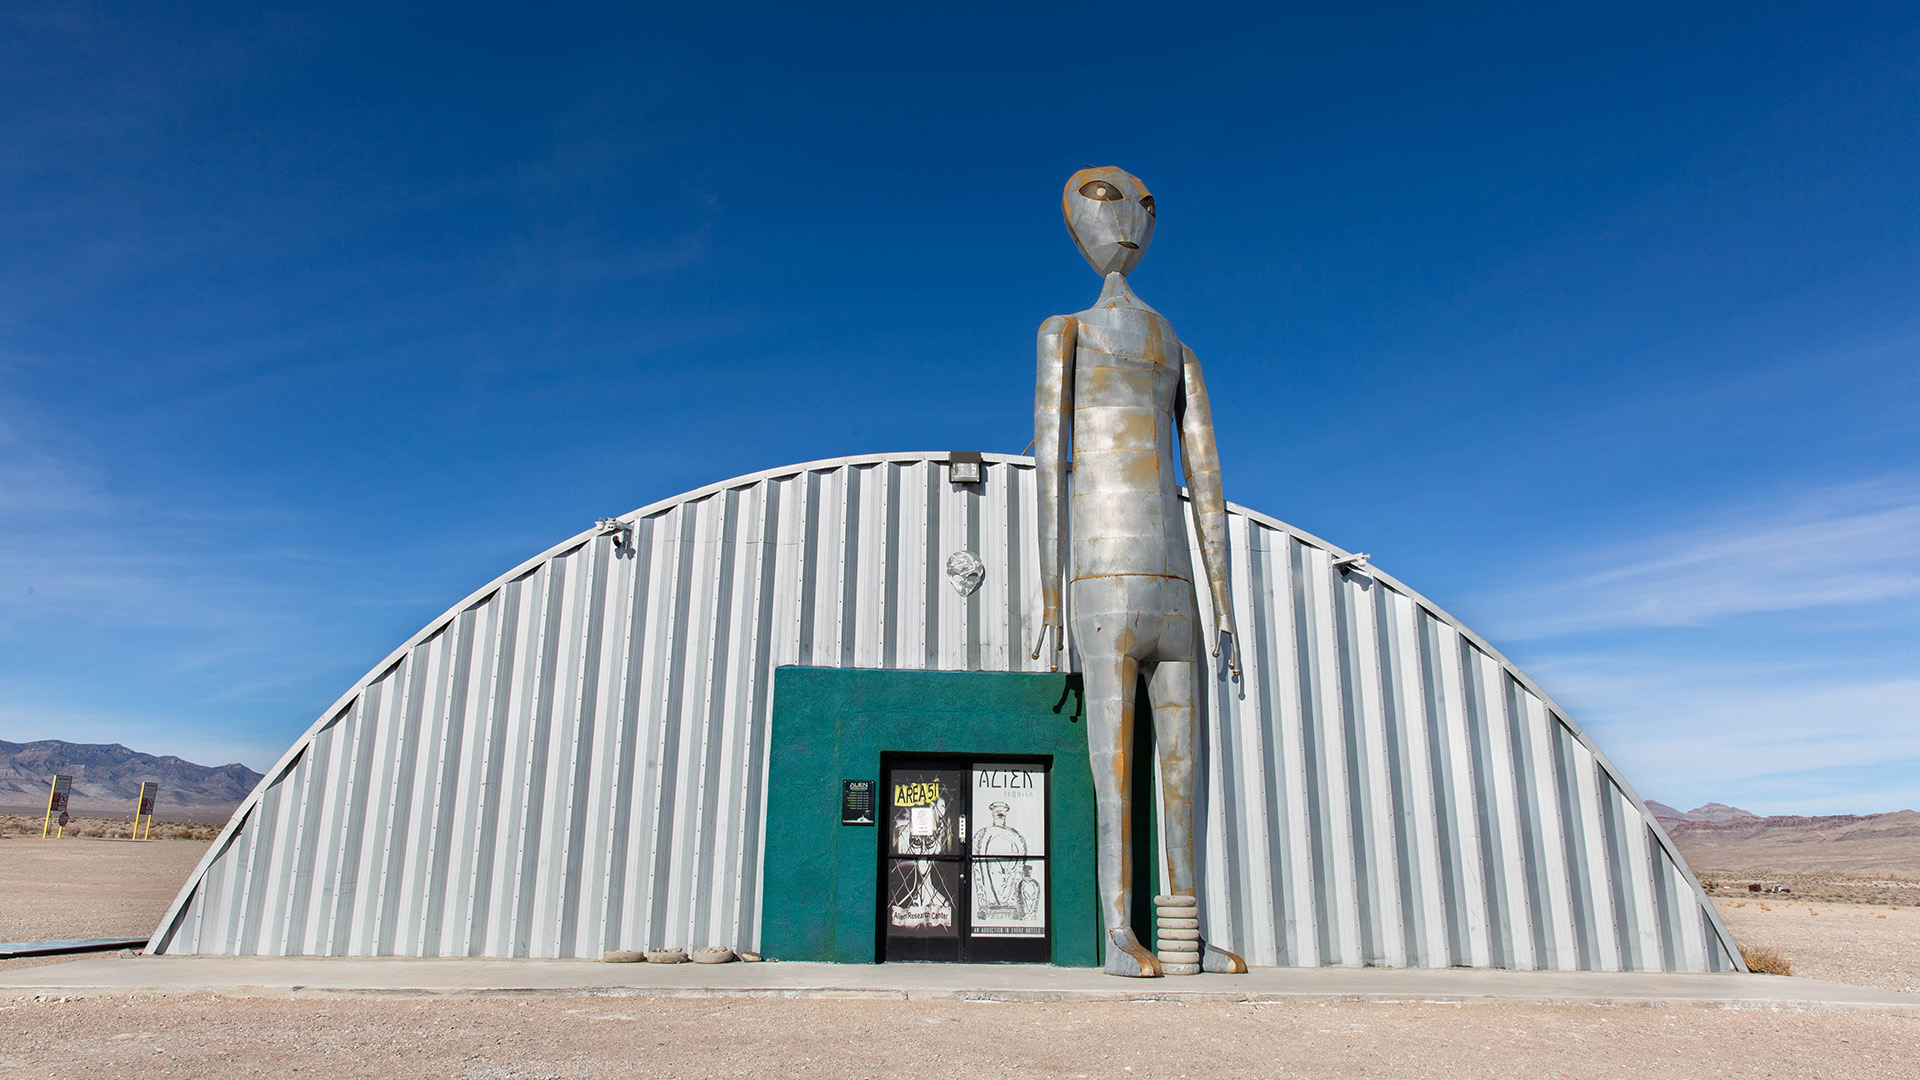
(1110,215)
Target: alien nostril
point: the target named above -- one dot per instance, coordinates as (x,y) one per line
(1130,245)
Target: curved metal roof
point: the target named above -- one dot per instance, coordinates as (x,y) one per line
(572,758)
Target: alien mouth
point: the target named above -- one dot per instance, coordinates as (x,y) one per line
(1130,245)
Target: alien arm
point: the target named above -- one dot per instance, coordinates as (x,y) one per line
(1052,431)
(1202,460)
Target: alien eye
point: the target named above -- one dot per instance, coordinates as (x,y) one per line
(1100,189)
(1146,201)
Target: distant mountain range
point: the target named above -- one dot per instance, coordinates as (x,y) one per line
(1713,811)
(1717,836)
(106,780)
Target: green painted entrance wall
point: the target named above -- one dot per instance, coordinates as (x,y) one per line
(821,880)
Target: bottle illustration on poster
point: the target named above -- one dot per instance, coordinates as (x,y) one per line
(1009,868)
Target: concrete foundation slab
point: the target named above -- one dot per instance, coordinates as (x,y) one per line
(284,976)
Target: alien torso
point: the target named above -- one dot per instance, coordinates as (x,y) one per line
(1127,516)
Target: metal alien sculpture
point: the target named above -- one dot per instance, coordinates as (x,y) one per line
(1117,383)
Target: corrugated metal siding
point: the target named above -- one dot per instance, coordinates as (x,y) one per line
(573,759)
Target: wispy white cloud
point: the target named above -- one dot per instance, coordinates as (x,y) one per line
(71,548)
(1762,656)
(34,485)
(1844,546)
(1687,731)
(124,619)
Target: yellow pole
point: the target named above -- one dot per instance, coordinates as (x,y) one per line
(47,824)
(133,833)
(141,806)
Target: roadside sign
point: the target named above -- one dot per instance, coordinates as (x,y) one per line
(149,792)
(57,805)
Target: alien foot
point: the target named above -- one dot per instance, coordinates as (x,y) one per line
(1216,959)
(1125,956)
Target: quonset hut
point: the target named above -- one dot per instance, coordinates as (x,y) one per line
(757,713)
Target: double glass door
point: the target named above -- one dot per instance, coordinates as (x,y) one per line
(964,863)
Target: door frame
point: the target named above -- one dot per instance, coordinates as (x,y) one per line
(987,949)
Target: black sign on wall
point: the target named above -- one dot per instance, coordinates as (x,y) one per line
(856,802)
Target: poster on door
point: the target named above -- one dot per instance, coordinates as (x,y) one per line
(923,808)
(1009,843)
(920,895)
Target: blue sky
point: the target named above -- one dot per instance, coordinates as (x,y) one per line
(1599,329)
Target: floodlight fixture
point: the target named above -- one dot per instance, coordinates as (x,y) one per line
(965,467)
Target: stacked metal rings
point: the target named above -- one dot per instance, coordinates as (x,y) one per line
(1176,921)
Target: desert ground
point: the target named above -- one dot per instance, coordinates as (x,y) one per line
(29,826)
(54,890)
(90,887)
(607,1036)
(1863,944)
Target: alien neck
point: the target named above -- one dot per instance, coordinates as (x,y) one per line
(1116,290)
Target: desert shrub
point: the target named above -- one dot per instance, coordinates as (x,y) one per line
(1765,960)
(27,826)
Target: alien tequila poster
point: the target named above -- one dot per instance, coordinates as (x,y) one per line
(1009,844)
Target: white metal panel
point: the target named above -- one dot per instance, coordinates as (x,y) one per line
(1515,928)
(574,758)
(1287,727)
(1593,836)
(1378,827)
(1238,817)
(1637,871)
(1544,805)
(1420,821)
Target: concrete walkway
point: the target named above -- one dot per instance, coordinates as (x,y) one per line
(297,976)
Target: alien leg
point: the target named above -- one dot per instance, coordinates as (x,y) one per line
(1175,729)
(1110,675)
(1171,690)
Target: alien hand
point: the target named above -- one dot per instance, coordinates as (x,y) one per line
(1050,621)
(1230,642)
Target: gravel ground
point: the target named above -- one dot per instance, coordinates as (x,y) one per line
(574,1036)
(100,888)
(1868,945)
(56,889)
